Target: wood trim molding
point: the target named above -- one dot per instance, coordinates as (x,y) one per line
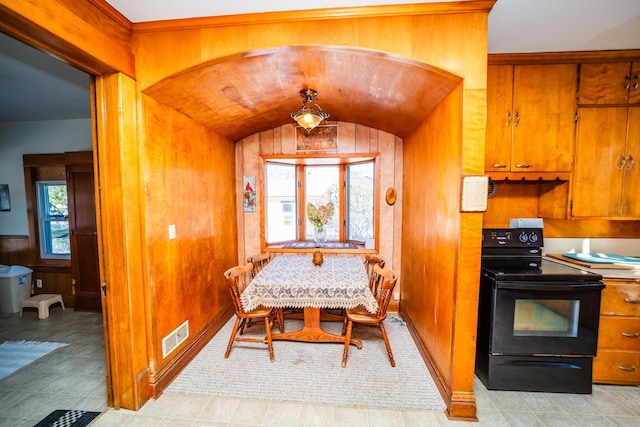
(160,380)
(112,13)
(460,406)
(317,14)
(564,57)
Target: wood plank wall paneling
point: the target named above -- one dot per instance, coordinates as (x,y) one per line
(14,250)
(190,183)
(437,294)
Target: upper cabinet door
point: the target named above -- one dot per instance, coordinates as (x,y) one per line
(609,84)
(631,184)
(600,162)
(499,117)
(544,108)
(634,84)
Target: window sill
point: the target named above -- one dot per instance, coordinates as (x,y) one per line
(283,248)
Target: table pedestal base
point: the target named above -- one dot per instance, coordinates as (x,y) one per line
(312,332)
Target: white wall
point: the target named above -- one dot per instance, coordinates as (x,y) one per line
(37,137)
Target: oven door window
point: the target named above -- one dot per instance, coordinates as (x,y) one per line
(546,318)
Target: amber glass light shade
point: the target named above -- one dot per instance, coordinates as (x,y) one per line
(309,115)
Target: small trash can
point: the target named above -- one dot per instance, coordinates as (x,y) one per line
(15,287)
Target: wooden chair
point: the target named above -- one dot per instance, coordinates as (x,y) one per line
(237,279)
(360,315)
(369,261)
(259,261)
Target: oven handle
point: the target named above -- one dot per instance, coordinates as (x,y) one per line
(550,286)
(533,363)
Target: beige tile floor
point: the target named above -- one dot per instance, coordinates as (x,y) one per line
(73,378)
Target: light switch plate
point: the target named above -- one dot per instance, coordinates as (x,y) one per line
(172,231)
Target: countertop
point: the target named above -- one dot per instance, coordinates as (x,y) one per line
(606,273)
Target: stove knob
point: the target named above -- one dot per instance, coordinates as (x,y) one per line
(533,237)
(523,237)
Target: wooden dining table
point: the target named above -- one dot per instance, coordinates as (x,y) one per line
(293,281)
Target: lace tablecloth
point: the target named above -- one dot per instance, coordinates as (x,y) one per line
(294,281)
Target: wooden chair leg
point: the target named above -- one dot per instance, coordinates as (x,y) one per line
(269,342)
(386,343)
(233,337)
(347,342)
(279,318)
(245,323)
(344,325)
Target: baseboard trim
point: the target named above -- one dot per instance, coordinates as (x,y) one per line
(460,406)
(161,379)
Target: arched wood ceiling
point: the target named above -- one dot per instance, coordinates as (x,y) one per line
(240,95)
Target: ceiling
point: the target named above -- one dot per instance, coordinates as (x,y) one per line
(35,86)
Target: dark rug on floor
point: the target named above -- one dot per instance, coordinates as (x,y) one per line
(68,418)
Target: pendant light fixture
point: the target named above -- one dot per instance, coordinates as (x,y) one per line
(309,114)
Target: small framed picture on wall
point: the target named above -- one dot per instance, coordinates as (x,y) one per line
(249,193)
(5,202)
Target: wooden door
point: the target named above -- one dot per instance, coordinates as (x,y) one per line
(600,152)
(634,84)
(604,83)
(631,189)
(499,118)
(84,240)
(544,107)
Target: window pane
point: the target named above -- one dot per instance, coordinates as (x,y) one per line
(321,187)
(281,201)
(58,237)
(53,221)
(360,201)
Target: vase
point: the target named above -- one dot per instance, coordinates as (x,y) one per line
(321,236)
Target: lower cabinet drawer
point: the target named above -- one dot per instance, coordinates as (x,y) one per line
(619,332)
(616,367)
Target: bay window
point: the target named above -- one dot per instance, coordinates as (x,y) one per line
(349,183)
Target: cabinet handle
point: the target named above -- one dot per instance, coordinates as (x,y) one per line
(499,166)
(630,335)
(630,162)
(636,82)
(508,118)
(522,165)
(627,368)
(517,122)
(632,301)
(621,162)
(627,82)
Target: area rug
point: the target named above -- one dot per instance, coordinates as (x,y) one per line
(16,354)
(68,418)
(312,373)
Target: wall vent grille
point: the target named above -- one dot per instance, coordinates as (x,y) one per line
(175,338)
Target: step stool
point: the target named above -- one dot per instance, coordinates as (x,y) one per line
(42,302)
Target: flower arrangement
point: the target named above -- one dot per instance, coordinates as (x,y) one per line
(320,216)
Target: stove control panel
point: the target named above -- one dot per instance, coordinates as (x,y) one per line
(512,237)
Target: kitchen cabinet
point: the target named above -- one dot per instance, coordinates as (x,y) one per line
(614,83)
(530,118)
(618,356)
(606,178)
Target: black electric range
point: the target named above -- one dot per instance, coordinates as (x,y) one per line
(537,319)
